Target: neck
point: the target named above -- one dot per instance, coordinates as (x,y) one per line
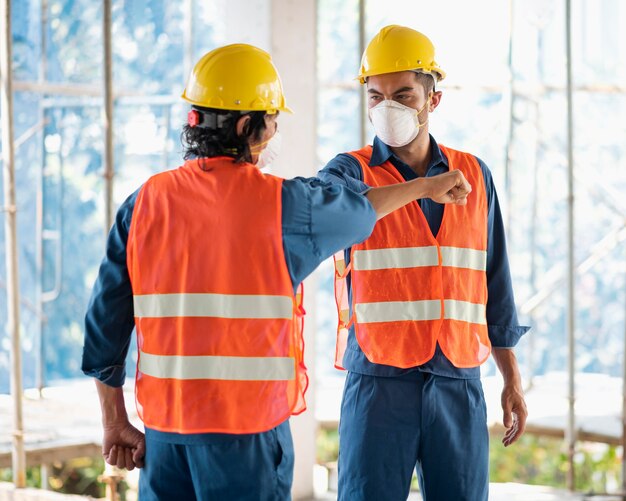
(417,153)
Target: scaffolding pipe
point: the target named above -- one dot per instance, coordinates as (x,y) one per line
(10,231)
(509,140)
(624,402)
(58,88)
(535,202)
(96,102)
(533,238)
(167,110)
(40,371)
(571,300)
(40,367)
(28,133)
(188,36)
(55,235)
(109,168)
(362,95)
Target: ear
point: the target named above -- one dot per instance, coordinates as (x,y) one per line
(242,123)
(435,99)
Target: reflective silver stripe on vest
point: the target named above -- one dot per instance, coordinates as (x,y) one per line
(413,257)
(397,311)
(465,311)
(398,257)
(212,305)
(459,257)
(214,367)
(401,311)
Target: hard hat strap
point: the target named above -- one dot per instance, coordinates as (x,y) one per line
(210,119)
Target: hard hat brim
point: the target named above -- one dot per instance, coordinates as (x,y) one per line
(438,73)
(284,108)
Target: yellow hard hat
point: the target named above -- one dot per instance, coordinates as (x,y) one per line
(236,77)
(397,48)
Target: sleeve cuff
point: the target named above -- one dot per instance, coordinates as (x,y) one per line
(506,337)
(111,376)
(355,185)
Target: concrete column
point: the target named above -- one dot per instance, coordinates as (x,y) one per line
(242,21)
(293,48)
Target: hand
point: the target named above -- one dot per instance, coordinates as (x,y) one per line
(514,413)
(123,445)
(450,187)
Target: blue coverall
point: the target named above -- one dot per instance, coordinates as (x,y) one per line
(430,418)
(318,219)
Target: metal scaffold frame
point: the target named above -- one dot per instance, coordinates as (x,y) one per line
(10,230)
(571,276)
(107,67)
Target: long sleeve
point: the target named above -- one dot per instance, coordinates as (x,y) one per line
(503,326)
(109,320)
(320,219)
(345,170)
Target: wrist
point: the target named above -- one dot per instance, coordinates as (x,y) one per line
(111,404)
(113,415)
(507,365)
(422,187)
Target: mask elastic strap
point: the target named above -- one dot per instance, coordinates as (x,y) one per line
(257,148)
(420,125)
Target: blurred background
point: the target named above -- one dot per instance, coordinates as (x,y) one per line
(505,99)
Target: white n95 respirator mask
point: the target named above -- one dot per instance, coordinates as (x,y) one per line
(396,124)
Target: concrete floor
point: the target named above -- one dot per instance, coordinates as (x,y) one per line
(513,492)
(80,428)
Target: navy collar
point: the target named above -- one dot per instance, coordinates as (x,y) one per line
(382,153)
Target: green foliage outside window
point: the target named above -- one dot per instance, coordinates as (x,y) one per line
(532,460)
(78,476)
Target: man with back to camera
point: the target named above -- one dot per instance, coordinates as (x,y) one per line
(422,301)
(205,262)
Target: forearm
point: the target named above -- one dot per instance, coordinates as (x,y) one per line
(514,411)
(507,365)
(450,187)
(111,403)
(386,199)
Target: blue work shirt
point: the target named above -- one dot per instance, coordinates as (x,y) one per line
(318,219)
(503,328)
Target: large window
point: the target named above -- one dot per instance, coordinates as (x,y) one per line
(57,62)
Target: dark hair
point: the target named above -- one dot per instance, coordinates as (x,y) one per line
(216,135)
(427,80)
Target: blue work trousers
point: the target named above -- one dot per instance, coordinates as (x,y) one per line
(391,425)
(254,467)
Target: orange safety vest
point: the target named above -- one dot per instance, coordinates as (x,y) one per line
(219,328)
(411,290)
